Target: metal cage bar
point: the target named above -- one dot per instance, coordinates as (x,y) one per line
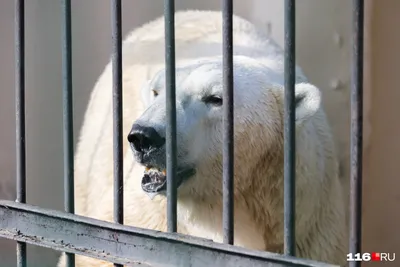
(117,110)
(68,116)
(116,28)
(289,128)
(20,115)
(228,138)
(171,147)
(356,131)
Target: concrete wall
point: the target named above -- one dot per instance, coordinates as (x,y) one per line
(323,51)
(381,214)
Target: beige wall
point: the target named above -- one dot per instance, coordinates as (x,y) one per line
(323,51)
(381,214)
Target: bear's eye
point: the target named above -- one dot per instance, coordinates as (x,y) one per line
(212,100)
(155,93)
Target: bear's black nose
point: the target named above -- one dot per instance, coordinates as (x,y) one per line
(143,138)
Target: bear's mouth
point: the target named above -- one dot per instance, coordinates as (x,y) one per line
(154,180)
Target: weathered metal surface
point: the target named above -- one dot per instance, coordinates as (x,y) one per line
(170,134)
(289,128)
(127,245)
(228,130)
(20,115)
(68,131)
(116,24)
(356,98)
(116,31)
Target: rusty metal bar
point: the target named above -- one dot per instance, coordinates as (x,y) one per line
(68,116)
(20,115)
(116,28)
(171,148)
(356,130)
(228,138)
(289,129)
(127,245)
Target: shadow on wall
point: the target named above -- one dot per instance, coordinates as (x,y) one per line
(91,38)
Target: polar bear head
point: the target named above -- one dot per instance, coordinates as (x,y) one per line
(258,125)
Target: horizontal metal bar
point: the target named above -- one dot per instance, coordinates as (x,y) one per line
(124,244)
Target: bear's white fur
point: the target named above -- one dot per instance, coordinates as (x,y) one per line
(320,213)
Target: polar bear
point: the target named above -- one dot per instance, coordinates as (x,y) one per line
(258,124)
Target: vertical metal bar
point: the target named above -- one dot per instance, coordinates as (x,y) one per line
(289,129)
(169,15)
(116,27)
(228,138)
(20,115)
(67,116)
(356,130)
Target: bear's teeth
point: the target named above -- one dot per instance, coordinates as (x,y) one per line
(153,169)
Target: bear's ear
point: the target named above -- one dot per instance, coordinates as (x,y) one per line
(307,101)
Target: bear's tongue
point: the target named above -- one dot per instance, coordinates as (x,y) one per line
(154,181)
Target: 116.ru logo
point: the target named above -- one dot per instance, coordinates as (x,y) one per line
(374,256)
